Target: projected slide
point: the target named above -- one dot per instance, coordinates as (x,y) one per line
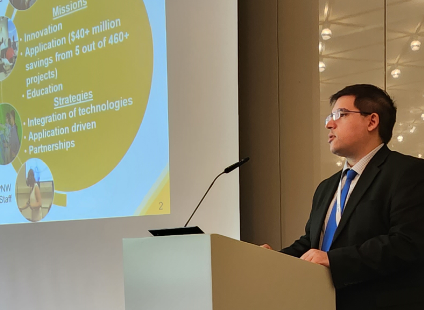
(83,110)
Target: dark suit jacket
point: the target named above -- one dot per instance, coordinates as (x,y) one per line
(377,255)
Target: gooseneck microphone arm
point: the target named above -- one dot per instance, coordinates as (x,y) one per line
(226,170)
(210,186)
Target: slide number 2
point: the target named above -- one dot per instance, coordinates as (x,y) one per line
(160,205)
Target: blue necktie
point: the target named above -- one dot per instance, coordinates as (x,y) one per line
(332,224)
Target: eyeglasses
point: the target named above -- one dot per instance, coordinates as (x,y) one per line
(340,112)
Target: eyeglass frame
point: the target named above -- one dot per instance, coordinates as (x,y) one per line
(339,112)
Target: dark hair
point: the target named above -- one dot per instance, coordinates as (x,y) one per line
(30,181)
(371,99)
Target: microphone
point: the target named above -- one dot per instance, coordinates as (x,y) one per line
(236,165)
(226,170)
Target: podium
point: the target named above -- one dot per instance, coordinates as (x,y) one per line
(213,272)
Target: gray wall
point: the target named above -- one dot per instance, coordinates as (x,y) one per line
(279,117)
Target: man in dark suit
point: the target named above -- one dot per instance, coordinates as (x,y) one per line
(376,253)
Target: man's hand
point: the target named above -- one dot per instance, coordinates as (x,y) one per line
(266,246)
(317,257)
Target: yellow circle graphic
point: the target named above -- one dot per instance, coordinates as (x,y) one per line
(81,84)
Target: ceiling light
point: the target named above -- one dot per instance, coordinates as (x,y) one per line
(321,66)
(321,47)
(326,9)
(422,116)
(412,130)
(395,73)
(400,138)
(326,34)
(339,163)
(415,45)
(420,155)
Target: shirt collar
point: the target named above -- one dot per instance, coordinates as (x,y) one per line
(359,167)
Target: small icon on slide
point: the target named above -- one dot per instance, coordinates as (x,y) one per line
(22,4)
(34,190)
(9,47)
(10,133)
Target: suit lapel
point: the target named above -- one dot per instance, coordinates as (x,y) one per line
(364,182)
(323,205)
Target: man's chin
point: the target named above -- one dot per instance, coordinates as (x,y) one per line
(335,150)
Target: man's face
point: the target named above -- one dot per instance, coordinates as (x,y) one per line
(349,133)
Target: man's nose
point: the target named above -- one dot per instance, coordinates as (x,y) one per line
(331,124)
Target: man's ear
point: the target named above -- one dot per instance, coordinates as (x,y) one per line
(374,121)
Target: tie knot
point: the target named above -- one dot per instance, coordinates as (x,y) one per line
(350,175)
